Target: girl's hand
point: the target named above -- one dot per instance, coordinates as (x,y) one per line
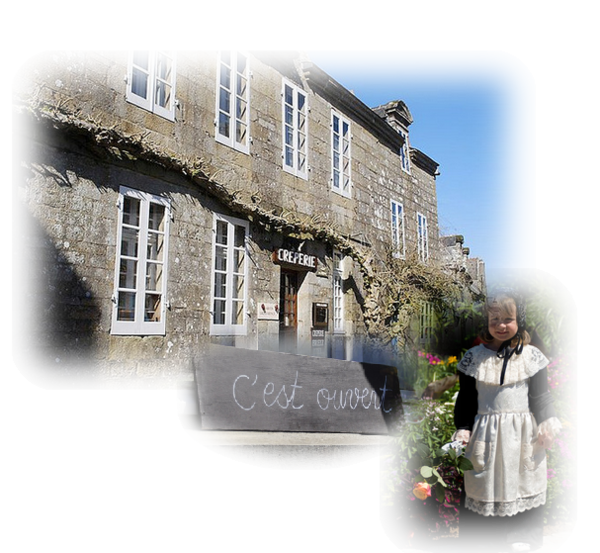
(462,436)
(545,440)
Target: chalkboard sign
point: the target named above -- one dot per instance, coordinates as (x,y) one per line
(240,389)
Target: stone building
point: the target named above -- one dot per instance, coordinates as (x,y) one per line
(467,324)
(456,255)
(172,200)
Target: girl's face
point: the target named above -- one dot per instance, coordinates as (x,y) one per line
(502,323)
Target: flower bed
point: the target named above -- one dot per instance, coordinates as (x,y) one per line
(424,479)
(423,476)
(560,507)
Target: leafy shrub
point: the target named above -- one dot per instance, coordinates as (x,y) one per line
(430,425)
(431,368)
(424,479)
(561,500)
(554,313)
(405,519)
(410,521)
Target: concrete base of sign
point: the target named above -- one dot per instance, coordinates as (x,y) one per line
(291,450)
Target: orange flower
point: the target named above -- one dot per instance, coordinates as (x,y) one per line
(422,490)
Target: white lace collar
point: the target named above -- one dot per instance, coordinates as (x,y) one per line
(483,364)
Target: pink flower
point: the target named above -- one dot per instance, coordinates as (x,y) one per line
(564,448)
(422,490)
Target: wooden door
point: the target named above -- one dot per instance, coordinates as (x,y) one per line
(288,314)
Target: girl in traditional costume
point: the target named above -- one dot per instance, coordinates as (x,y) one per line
(505,415)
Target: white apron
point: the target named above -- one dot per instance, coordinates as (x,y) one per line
(509,473)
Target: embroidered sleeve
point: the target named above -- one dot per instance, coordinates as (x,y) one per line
(550,427)
(537,359)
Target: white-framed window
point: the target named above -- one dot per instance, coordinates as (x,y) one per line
(151,82)
(398,241)
(404,153)
(141,267)
(338,292)
(340,154)
(426,323)
(229,276)
(233,100)
(295,130)
(422,237)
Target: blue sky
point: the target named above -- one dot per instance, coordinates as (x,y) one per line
(460,121)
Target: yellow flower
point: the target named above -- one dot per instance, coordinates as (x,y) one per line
(452,359)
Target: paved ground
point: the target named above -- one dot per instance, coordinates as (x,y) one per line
(295,449)
(233,437)
(552,544)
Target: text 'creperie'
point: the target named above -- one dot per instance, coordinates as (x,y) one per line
(291,257)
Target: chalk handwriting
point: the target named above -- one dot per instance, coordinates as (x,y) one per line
(288,400)
(352,397)
(281,399)
(234,395)
(286,397)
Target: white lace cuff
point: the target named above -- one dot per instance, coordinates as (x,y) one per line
(550,427)
(462,435)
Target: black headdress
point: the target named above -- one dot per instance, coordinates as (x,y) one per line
(505,351)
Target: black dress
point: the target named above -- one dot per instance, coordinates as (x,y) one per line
(495,533)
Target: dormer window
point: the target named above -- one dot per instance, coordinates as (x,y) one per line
(398,117)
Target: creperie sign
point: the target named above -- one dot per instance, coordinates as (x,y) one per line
(297,259)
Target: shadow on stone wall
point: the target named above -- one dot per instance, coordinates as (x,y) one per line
(55,313)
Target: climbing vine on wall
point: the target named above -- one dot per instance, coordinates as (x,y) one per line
(393,289)
(400,289)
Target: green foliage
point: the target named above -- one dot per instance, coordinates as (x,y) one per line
(431,368)
(425,479)
(417,455)
(428,427)
(443,458)
(554,313)
(561,505)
